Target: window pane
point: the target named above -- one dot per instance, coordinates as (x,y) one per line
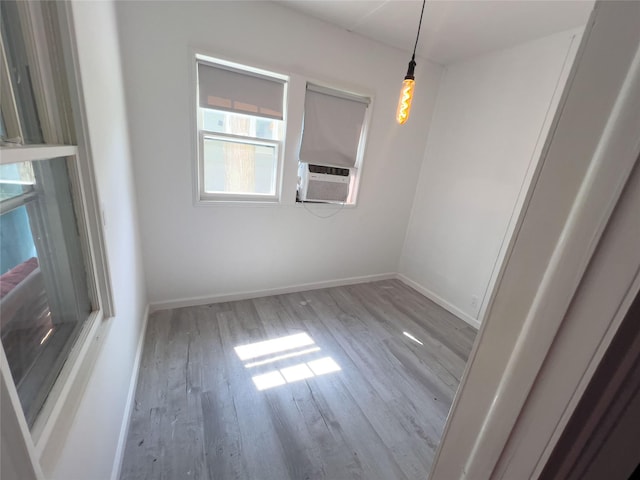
(3,130)
(239,167)
(15,179)
(16,245)
(43,295)
(213,120)
(20,72)
(244,125)
(269,129)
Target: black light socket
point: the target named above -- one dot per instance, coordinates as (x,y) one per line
(410,71)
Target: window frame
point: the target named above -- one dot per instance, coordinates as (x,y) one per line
(56,96)
(59,394)
(201,197)
(231,196)
(354,182)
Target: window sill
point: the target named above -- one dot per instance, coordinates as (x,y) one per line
(275,203)
(324,205)
(251,201)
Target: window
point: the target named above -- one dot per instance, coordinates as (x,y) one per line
(332,145)
(44,297)
(50,294)
(240,131)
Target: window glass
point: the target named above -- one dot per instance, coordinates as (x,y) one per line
(43,295)
(213,120)
(217,121)
(16,241)
(3,129)
(239,167)
(17,59)
(15,179)
(270,129)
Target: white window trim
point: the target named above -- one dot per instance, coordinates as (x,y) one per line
(201,198)
(84,178)
(58,397)
(31,153)
(56,415)
(362,146)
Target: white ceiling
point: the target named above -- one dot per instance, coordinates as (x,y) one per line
(452,30)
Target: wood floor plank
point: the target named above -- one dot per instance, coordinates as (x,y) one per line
(357,399)
(374,398)
(354,398)
(261,447)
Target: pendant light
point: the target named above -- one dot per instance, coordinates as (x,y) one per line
(409,83)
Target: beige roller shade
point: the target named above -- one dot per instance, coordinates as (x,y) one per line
(224,88)
(332,127)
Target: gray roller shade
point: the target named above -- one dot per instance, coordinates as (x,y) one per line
(332,127)
(223,88)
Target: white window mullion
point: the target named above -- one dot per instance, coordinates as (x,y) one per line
(31,153)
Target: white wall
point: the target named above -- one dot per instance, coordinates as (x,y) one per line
(544,334)
(491,120)
(216,250)
(89,449)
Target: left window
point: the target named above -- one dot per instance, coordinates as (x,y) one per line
(241,125)
(50,293)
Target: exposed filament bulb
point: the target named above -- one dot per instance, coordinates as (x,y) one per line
(404,103)
(406,93)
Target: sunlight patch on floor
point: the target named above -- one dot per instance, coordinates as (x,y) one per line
(282,357)
(296,373)
(269,351)
(407,334)
(277,345)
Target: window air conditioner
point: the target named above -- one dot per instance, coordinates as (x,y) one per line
(321,183)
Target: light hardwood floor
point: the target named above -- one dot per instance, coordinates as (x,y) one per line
(200,415)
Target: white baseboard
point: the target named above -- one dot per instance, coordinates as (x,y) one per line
(124,429)
(475,323)
(230,297)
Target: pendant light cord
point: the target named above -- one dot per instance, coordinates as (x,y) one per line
(419,26)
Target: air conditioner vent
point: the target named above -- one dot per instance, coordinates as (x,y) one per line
(323,183)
